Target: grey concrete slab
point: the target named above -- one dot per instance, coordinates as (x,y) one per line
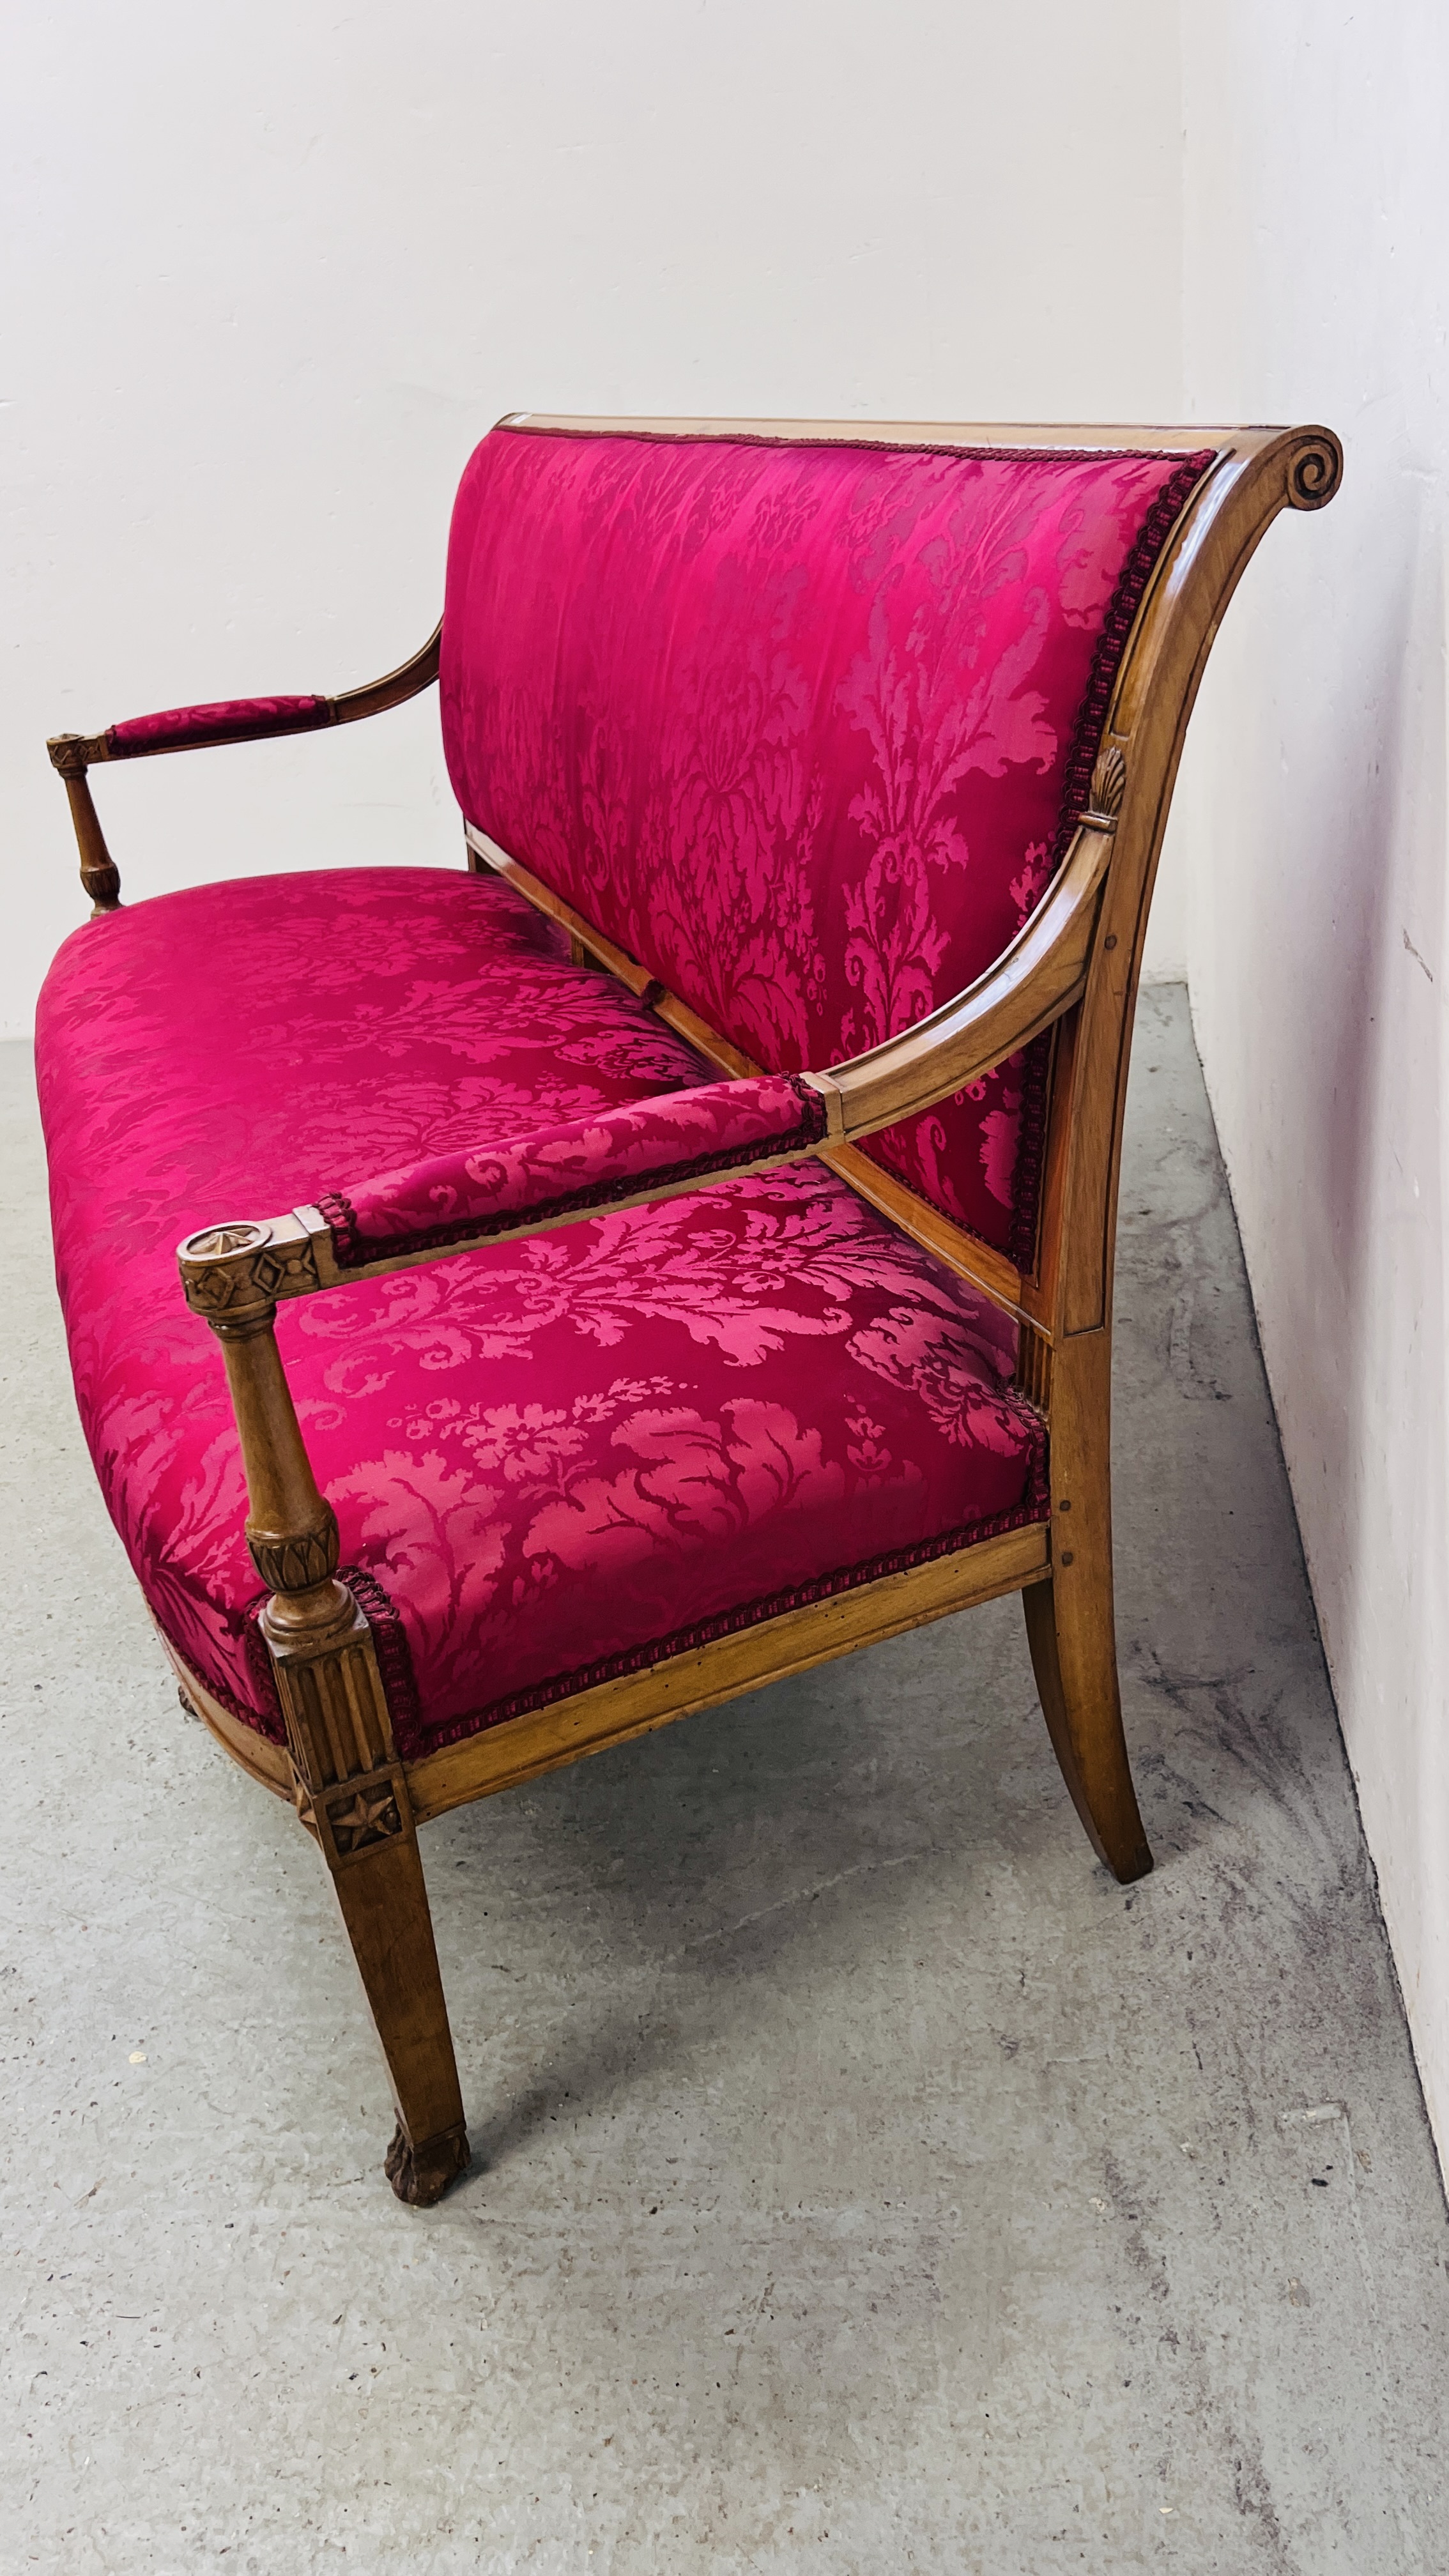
(864,2181)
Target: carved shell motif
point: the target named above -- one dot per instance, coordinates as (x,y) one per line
(1109,785)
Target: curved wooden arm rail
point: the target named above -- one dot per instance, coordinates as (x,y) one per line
(1071,971)
(1040,976)
(72,754)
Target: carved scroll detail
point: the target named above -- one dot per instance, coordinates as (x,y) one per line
(1315,473)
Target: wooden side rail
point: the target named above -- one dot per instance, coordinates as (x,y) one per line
(205,728)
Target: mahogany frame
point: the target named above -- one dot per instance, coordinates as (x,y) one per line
(1074,970)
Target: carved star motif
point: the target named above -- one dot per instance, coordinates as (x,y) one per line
(369,1816)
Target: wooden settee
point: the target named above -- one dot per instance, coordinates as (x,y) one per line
(679,1249)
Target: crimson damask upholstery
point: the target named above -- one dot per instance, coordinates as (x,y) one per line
(806,728)
(554,1459)
(557,1171)
(229,720)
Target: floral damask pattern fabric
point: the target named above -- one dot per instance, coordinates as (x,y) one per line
(230,720)
(587,1164)
(552,1457)
(805,728)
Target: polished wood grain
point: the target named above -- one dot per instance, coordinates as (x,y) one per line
(99,873)
(384,1909)
(418,672)
(1069,1620)
(679,1685)
(1089,436)
(1032,983)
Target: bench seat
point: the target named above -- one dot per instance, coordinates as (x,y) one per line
(554,1460)
(679,1250)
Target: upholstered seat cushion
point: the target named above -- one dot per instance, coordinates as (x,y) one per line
(553,1459)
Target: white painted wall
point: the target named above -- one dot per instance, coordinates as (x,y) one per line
(1314,788)
(272,269)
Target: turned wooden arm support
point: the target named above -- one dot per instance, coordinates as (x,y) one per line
(202,728)
(291,1531)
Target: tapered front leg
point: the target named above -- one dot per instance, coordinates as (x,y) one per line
(352,1794)
(351,1789)
(385,1909)
(1070,1622)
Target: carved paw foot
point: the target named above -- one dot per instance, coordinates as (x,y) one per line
(421,2175)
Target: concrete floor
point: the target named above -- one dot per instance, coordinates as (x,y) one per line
(864,2182)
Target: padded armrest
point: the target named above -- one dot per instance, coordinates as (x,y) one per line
(242,719)
(563,1171)
(232,720)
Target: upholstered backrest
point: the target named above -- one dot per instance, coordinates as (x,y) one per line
(803,726)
